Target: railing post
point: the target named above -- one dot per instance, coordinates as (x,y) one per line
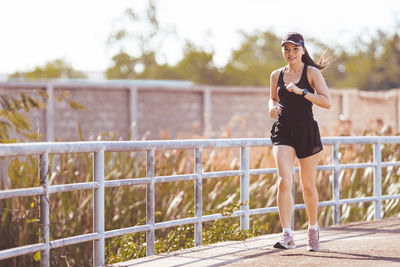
(378,180)
(198,196)
(44,210)
(133,112)
(207,112)
(244,188)
(150,205)
(50,113)
(98,208)
(335,184)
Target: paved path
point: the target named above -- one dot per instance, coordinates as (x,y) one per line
(375,243)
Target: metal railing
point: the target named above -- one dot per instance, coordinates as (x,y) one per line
(98,185)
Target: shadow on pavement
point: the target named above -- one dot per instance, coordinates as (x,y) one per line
(344,255)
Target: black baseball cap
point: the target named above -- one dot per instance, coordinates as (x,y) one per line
(294,38)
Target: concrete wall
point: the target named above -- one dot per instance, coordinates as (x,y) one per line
(157,110)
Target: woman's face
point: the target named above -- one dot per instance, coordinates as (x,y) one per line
(292,53)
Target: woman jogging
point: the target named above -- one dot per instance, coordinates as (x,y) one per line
(294,89)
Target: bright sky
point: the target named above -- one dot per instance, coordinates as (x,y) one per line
(34,32)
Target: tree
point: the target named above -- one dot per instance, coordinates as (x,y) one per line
(123,67)
(374,65)
(197,66)
(386,66)
(57,68)
(370,65)
(258,55)
(143,35)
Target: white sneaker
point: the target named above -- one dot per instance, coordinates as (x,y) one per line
(313,240)
(286,242)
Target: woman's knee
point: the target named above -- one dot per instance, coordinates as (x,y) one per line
(284,183)
(308,188)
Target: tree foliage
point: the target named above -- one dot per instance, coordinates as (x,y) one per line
(255,59)
(385,63)
(370,64)
(57,68)
(143,35)
(197,66)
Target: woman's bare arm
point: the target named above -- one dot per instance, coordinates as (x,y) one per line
(322,97)
(273,102)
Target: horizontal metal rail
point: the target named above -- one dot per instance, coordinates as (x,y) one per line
(24,192)
(127,231)
(74,240)
(198,145)
(73,187)
(126,182)
(213,217)
(19,251)
(23,149)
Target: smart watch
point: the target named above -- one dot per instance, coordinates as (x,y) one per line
(305,91)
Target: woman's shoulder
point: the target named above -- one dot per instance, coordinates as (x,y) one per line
(312,70)
(314,75)
(275,73)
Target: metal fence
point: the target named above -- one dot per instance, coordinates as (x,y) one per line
(98,185)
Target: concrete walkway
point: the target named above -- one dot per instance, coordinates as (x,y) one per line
(375,243)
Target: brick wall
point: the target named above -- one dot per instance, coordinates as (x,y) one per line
(367,108)
(240,114)
(106,111)
(167,113)
(172,111)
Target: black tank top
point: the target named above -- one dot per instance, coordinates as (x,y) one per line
(295,109)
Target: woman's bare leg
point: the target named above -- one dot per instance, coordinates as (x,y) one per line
(284,159)
(308,167)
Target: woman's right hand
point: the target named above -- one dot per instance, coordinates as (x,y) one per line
(274,112)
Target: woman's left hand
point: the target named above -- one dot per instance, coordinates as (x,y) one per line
(291,87)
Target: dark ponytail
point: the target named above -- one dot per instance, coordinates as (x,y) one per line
(322,61)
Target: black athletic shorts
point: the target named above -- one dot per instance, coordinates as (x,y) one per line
(305,139)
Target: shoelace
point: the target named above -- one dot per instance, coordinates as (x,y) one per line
(285,235)
(313,237)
